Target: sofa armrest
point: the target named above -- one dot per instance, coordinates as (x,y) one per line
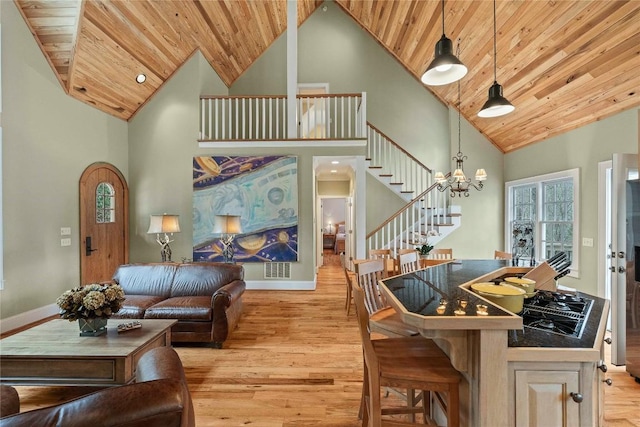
(152,403)
(227,294)
(9,401)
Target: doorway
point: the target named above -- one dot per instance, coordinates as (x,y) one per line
(104,222)
(333,217)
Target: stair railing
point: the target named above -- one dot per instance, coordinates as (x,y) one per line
(406,172)
(413,224)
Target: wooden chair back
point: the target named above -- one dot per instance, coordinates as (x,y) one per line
(368,272)
(439,253)
(406,251)
(502,255)
(408,262)
(347,275)
(387,256)
(362,313)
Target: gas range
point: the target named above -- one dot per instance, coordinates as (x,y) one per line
(558,313)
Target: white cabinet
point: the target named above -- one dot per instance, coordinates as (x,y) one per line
(542,398)
(554,394)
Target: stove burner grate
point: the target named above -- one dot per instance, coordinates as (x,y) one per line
(557,313)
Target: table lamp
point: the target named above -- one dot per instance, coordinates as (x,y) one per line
(164,224)
(227,226)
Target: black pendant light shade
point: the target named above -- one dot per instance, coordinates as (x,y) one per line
(446,67)
(497,104)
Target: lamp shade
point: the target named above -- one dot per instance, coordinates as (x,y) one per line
(496,105)
(164,223)
(227,224)
(446,67)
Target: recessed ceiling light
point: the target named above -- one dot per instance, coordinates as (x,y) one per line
(141,78)
(335,162)
(334,171)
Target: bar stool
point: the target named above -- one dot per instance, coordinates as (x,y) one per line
(408,262)
(414,363)
(383,318)
(502,255)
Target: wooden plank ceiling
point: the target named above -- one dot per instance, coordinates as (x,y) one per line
(562,63)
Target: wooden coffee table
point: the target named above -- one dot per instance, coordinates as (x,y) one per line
(53,353)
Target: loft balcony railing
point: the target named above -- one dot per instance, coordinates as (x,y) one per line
(264,118)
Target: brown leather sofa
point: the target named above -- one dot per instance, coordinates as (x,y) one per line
(159,397)
(205,297)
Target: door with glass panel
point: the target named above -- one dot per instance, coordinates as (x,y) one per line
(104,218)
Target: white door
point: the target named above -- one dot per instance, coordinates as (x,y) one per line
(624,167)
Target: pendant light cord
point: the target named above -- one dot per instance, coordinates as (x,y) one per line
(443,17)
(459,103)
(495,48)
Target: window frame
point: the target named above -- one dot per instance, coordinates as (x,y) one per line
(539,181)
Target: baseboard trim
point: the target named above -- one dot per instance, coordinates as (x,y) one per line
(280,285)
(23,319)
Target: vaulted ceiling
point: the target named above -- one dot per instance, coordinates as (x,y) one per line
(562,63)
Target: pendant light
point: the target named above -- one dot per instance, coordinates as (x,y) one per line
(497,104)
(445,67)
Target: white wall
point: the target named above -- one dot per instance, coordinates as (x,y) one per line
(49,138)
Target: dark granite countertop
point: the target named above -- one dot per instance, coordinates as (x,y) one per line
(421,291)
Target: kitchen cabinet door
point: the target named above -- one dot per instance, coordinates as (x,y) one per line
(542,398)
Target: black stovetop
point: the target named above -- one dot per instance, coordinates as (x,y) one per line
(558,313)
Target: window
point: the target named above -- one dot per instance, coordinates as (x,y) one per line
(105,203)
(542,217)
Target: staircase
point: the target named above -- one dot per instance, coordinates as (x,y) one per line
(427,213)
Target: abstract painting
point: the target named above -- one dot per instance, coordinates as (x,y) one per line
(262,190)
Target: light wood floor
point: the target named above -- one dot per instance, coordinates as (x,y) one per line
(296,360)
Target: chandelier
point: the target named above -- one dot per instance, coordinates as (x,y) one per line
(458,183)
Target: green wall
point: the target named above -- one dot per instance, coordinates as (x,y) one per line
(48,140)
(581,148)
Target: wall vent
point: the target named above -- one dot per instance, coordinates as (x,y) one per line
(277,270)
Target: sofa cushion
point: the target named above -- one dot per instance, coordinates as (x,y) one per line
(146,279)
(204,278)
(134,306)
(183,308)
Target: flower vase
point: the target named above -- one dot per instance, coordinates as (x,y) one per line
(92,327)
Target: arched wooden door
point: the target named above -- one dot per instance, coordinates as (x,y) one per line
(104,220)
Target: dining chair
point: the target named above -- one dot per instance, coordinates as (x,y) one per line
(502,255)
(347,275)
(439,253)
(383,318)
(412,363)
(385,254)
(408,262)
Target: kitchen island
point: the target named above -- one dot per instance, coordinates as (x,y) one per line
(514,375)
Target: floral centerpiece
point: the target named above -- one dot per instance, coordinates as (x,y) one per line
(91,305)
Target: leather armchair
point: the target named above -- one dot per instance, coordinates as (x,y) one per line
(159,397)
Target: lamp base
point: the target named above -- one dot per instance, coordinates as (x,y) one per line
(165,253)
(227,253)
